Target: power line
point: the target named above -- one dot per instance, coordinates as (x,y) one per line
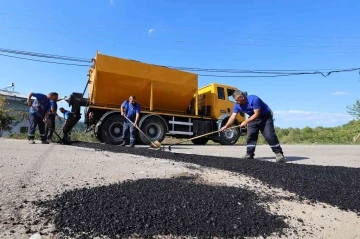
(59,63)
(241,76)
(184,49)
(68,58)
(179,41)
(243,71)
(268,73)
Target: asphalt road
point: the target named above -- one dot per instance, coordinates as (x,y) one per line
(33,172)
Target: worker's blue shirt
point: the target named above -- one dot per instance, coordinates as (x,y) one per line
(53,107)
(130,110)
(66,114)
(253,103)
(41,104)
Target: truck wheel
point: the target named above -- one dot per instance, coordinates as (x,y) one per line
(112,130)
(200,141)
(154,128)
(229,137)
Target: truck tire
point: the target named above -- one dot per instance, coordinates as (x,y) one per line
(112,130)
(99,137)
(154,128)
(200,141)
(229,137)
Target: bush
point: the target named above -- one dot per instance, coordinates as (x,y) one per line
(321,135)
(7,121)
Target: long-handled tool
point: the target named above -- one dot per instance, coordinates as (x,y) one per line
(155,144)
(47,124)
(200,136)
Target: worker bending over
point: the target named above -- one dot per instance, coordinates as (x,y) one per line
(66,113)
(38,114)
(260,119)
(131,109)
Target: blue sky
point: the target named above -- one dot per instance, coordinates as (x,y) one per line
(228,34)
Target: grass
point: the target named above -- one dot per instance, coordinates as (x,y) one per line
(320,135)
(86,137)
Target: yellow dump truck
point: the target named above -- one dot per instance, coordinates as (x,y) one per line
(171,102)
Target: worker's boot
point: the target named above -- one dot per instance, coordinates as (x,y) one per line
(247,156)
(280,157)
(31,141)
(132,146)
(44,142)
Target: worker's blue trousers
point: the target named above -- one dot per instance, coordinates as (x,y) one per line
(129,127)
(264,124)
(35,121)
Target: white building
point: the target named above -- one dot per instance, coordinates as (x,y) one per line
(17,104)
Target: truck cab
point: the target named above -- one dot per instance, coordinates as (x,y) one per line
(217,102)
(219,97)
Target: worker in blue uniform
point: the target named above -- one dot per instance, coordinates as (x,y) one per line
(131,109)
(38,114)
(67,115)
(50,127)
(260,119)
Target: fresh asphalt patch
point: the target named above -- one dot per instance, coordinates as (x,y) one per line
(150,207)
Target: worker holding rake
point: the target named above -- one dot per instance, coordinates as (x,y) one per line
(130,109)
(260,119)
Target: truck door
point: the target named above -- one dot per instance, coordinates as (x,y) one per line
(230,104)
(221,102)
(229,100)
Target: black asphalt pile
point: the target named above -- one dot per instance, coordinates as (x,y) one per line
(337,186)
(150,207)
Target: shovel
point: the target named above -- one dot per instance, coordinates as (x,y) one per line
(200,136)
(155,144)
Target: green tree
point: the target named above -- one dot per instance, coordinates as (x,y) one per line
(7,121)
(354,109)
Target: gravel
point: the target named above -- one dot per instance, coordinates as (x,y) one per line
(150,207)
(337,186)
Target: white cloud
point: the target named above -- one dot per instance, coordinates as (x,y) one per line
(312,117)
(341,93)
(151,31)
(111,2)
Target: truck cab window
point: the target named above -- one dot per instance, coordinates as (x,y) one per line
(221,93)
(230,92)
